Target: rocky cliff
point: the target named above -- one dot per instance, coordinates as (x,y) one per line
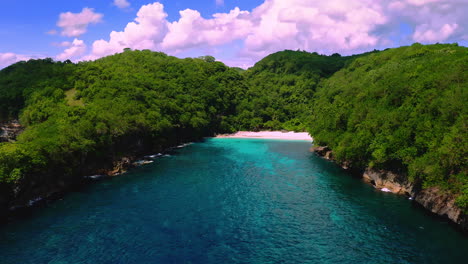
(433,199)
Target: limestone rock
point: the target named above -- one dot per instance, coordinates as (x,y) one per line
(388,180)
(443,204)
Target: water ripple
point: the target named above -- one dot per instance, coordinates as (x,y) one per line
(233,201)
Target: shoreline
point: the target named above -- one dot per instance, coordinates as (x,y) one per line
(300,136)
(118,168)
(432,199)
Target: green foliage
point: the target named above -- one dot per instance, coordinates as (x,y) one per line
(71,98)
(460,184)
(208,58)
(15,160)
(20,80)
(401,109)
(281,87)
(77,114)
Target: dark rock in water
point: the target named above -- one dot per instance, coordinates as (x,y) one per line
(121,166)
(10,130)
(323,151)
(442,203)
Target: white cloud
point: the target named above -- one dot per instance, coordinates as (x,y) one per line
(422,2)
(121,3)
(325,26)
(6,59)
(62,44)
(274,25)
(433,20)
(148,29)
(76,48)
(321,25)
(194,31)
(425,33)
(76,24)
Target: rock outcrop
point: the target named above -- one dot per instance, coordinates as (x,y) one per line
(443,204)
(323,151)
(433,199)
(120,166)
(395,183)
(10,130)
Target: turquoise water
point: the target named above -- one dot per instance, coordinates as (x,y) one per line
(232,201)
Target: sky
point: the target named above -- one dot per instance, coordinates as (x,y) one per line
(236,32)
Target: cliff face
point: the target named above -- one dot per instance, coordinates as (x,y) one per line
(433,199)
(443,204)
(389,181)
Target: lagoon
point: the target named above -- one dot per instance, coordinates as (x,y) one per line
(229,200)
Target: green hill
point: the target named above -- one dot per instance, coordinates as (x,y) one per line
(123,105)
(403,110)
(19,81)
(281,87)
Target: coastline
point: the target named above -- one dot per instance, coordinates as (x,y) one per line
(433,199)
(300,136)
(20,208)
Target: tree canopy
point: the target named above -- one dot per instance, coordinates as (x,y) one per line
(402,110)
(93,112)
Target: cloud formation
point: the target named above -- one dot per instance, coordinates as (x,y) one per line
(148,29)
(325,26)
(62,44)
(297,24)
(194,31)
(121,3)
(433,20)
(7,59)
(76,24)
(321,25)
(76,49)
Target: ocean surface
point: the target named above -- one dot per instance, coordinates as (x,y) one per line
(232,201)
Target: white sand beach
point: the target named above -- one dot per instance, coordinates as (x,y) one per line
(269,135)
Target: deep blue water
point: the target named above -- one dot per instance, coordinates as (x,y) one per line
(233,201)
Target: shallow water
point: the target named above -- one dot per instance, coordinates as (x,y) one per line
(233,201)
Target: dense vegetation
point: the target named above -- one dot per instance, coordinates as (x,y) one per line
(281,87)
(20,80)
(403,110)
(133,102)
(400,109)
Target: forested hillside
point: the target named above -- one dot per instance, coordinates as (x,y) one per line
(19,81)
(403,110)
(281,87)
(93,113)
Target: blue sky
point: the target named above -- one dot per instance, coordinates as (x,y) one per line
(23,23)
(239,36)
